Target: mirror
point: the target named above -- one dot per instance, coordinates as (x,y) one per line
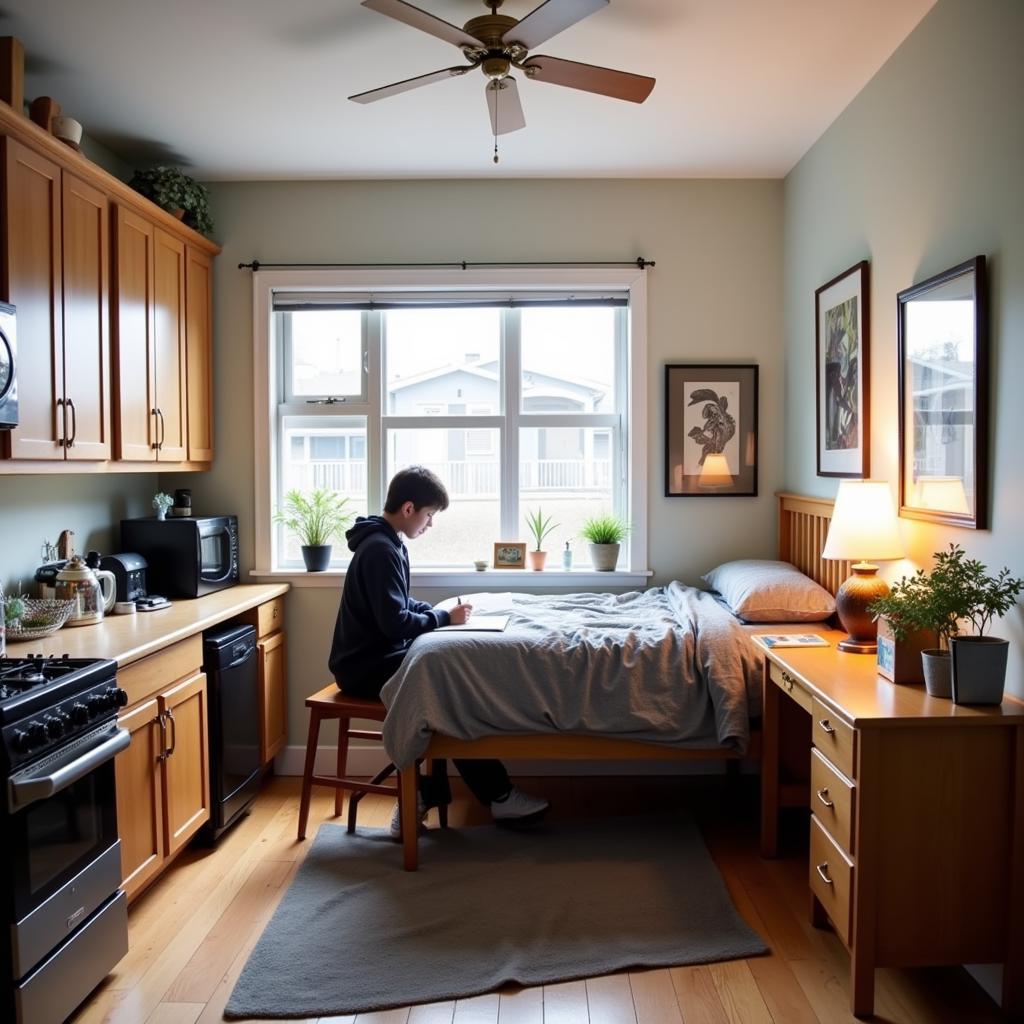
(943,398)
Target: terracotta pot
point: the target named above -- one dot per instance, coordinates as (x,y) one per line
(537,560)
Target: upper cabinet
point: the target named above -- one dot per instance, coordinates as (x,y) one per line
(114,314)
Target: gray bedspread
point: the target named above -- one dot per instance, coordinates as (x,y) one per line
(667,665)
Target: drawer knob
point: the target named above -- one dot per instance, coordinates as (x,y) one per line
(787,681)
(822,870)
(826,726)
(822,795)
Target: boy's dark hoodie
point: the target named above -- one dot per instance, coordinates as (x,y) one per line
(377,619)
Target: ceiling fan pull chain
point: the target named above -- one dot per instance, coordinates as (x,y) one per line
(494,86)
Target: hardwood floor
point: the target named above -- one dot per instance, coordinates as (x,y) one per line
(191,934)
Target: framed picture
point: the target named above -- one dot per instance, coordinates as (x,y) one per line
(710,430)
(842,354)
(943,397)
(509,555)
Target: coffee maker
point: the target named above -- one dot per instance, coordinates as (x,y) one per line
(129,571)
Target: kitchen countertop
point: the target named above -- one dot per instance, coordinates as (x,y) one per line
(127,638)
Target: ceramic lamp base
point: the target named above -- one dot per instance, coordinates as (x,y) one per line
(852,601)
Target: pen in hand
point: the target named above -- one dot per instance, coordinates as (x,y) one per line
(459,599)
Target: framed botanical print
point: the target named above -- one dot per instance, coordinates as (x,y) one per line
(509,555)
(710,430)
(841,389)
(943,397)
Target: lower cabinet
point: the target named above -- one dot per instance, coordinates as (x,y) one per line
(268,621)
(163,789)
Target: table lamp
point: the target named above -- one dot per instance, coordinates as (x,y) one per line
(863,528)
(715,472)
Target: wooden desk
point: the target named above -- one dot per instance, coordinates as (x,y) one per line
(917,817)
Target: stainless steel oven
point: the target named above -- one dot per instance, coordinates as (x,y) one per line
(60,863)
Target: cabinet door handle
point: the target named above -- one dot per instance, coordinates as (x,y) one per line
(822,870)
(826,728)
(174,731)
(62,423)
(159,720)
(163,426)
(74,422)
(822,795)
(155,412)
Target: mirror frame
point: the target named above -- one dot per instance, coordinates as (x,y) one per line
(978,518)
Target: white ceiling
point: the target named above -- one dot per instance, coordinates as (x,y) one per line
(256,89)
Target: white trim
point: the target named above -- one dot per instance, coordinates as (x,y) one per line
(520,580)
(382,281)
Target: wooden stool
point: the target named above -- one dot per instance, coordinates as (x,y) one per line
(331,703)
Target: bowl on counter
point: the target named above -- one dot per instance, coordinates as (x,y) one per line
(42,616)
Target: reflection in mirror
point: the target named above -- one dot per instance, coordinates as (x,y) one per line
(942,397)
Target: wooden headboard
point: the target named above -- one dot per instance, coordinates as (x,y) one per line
(803,526)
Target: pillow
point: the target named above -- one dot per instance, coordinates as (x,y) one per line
(759,590)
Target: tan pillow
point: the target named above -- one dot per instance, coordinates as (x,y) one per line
(760,590)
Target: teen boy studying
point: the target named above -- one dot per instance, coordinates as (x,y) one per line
(378,620)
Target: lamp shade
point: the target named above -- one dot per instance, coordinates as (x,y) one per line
(863,526)
(945,493)
(715,472)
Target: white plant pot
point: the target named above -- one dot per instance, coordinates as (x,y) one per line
(604,556)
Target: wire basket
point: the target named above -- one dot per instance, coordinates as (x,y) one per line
(43,616)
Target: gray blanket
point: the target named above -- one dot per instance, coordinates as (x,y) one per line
(668,665)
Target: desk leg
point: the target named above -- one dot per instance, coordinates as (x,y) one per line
(771,700)
(408,783)
(862,985)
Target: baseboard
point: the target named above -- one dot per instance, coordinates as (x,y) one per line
(368,760)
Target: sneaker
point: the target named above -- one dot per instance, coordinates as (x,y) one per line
(519,808)
(395,827)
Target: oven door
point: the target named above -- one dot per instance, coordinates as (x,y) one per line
(62,841)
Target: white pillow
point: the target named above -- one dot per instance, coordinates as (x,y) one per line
(760,590)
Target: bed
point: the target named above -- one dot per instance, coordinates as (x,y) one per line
(585,713)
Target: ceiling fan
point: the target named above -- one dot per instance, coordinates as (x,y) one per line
(496,44)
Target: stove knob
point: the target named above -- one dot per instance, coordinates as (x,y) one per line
(79,713)
(54,727)
(36,733)
(96,704)
(122,698)
(21,741)
(116,697)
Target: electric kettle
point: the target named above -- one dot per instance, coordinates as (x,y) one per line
(93,591)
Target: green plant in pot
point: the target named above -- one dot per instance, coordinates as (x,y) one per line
(604,533)
(540,526)
(316,518)
(173,190)
(957,588)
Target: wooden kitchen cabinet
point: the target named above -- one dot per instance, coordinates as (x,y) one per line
(268,621)
(149,341)
(199,353)
(55,271)
(163,789)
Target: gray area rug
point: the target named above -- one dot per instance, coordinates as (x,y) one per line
(354,932)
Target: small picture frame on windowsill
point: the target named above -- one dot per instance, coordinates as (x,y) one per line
(509,555)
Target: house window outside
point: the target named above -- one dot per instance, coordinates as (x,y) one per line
(514,408)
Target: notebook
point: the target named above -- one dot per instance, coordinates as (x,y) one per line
(480,624)
(791,639)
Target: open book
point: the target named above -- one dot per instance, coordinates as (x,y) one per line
(480,624)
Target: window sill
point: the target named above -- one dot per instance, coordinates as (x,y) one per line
(466,580)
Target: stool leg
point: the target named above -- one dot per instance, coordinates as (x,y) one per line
(339,793)
(307,772)
(355,797)
(408,787)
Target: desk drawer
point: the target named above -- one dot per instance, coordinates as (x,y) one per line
(789,685)
(832,800)
(831,878)
(270,616)
(833,737)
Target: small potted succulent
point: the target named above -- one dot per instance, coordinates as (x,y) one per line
(316,518)
(540,526)
(604,533)
(174,191)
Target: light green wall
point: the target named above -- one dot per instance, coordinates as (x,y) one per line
(923,170)
(714,296)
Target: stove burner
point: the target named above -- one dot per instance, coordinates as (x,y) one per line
(31,677)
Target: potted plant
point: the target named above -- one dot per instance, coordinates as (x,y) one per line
(162,502)
(957,588)
(605,533)
(173,190)
(540,526)
(316,519)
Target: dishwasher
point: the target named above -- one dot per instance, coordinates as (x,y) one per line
(232,686)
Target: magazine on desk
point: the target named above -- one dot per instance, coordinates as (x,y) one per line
(792,640)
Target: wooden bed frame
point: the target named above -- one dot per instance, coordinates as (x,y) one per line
(803,524)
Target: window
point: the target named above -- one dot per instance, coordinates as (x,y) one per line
(517,400)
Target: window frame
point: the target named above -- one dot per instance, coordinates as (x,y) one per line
(269,367)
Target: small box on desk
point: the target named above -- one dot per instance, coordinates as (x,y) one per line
(900,660)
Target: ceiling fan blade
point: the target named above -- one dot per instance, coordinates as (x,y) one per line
(409,83)
(504,107)
(425,22)
(620,85)
(549,19)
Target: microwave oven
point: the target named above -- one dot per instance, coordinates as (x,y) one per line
(8,368)
(186,557)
